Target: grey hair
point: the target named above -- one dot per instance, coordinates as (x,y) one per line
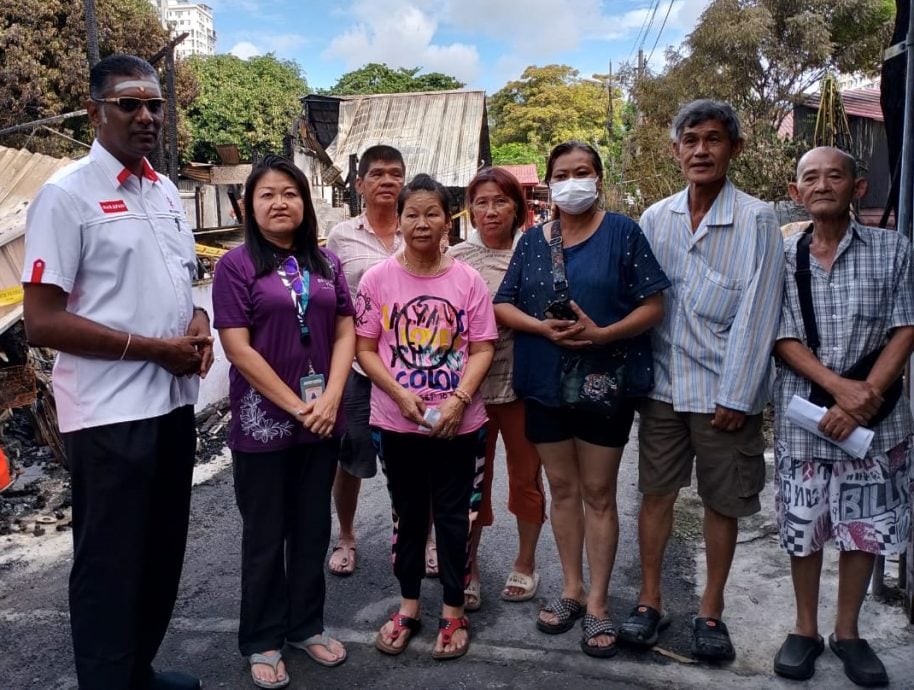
(702,110)
(850,162)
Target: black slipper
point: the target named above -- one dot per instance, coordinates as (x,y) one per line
(711,640)
(566,611)
(643,626)
(594,627)
(796,659)
(861,664)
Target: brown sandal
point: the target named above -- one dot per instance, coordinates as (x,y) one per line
(403,624)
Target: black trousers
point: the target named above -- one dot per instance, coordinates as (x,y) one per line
(446,474)
(131,499)
(284,500)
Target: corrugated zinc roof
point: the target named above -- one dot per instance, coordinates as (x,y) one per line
(526,174)
(857,103)
(438,132)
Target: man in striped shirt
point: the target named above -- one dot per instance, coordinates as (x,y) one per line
(722,250)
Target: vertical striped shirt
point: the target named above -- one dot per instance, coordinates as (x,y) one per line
(721,314)
(868,293)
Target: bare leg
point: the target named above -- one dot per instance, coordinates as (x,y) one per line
(599,469)
(346,489)
(806,571)
(720,545)
(655,523)
(854,571)
(567,512)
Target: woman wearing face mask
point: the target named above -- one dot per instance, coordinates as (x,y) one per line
(614,286)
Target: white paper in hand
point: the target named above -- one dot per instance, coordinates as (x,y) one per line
(432,415)
(807,415)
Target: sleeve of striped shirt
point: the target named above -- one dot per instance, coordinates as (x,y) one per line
(903,305)
(791,323)
(746,363)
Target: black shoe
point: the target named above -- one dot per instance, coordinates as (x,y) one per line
(861,664)
(643,626)
(711,640)
(174,680)
(796,659)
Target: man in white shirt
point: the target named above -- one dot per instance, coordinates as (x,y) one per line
(108,269)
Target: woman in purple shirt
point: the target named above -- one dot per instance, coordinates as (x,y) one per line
(284,316)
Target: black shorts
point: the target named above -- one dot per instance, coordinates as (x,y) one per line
(357,452)
(544,424)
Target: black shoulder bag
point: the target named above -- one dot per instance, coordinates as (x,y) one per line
(861,368)
(595,379)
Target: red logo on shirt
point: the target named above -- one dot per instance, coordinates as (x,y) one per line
(37,271)
(116,206)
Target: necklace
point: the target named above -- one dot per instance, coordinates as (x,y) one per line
(415,271)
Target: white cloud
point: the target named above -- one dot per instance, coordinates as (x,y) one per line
(401,34)
(245,50)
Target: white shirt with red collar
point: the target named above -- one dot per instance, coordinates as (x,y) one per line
(122,249)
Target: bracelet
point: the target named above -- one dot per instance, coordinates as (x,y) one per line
(463,396)
(205,313)
(126,347)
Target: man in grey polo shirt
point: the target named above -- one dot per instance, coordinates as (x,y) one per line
(108,269)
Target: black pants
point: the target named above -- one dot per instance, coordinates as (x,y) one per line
(284,500)
(131,499)
(446,474)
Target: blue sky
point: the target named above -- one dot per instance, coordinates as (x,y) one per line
(484,43)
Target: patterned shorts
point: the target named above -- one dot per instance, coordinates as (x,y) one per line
(864,505)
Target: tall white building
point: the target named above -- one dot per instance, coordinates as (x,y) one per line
(180,16)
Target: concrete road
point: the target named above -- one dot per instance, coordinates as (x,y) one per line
(507,651)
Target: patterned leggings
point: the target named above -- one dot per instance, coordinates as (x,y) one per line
(446,475)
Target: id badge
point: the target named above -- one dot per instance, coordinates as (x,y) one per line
(312,387)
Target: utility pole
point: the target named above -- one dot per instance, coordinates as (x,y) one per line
(91,33)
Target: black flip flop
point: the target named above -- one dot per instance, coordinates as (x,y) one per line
(796,659)
(711,640)
(861,664)
(643,626)
(593,627)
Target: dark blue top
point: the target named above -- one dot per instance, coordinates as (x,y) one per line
(609,273)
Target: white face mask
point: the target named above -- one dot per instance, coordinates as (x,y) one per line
(574,195)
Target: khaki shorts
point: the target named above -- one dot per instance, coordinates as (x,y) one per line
(729,465)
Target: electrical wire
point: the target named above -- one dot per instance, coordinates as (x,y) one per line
(659,33)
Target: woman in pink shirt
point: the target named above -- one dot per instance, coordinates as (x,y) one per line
(425,331)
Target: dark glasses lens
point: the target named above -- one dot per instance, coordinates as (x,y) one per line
(130,105)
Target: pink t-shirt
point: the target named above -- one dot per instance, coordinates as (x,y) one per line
(424,325)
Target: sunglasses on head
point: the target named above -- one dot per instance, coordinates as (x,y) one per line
(130,104)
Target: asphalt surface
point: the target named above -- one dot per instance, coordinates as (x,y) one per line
(506,651)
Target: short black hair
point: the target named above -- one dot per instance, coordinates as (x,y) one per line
(304,242)
(702,110)
(425,183)
(117,65)
(379,152)
(568,147)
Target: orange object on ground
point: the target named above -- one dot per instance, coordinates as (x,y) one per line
(6,473)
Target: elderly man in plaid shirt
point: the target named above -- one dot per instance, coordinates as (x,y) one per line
(863,303)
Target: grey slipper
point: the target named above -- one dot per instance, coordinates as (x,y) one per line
(322,639)
(268,660)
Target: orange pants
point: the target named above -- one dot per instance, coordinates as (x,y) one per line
(526,495)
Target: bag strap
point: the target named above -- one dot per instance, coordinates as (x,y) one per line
(557,251)
(803,276)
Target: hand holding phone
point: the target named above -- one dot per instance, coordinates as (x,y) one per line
(561,310)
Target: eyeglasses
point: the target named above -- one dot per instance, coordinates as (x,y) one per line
(500,204)
(129,104)
(298,285)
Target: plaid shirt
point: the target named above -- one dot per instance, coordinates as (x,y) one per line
(720,317)
(868,293)
(358,248)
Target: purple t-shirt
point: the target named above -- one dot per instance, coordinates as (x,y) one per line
(264,306)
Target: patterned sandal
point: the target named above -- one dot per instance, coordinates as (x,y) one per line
(566,610)
(594,627)
(447,627)
(403,625)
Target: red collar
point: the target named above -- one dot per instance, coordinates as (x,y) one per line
(148,173)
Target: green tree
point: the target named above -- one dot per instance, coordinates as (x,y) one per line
(549,105)
(45,67)
(379,78)
(760,56)
(252,103)
(516,153)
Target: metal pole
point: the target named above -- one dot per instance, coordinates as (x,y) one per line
(91,33)
(906,182)
(171,126)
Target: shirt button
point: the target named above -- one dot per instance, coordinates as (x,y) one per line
(834,349)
